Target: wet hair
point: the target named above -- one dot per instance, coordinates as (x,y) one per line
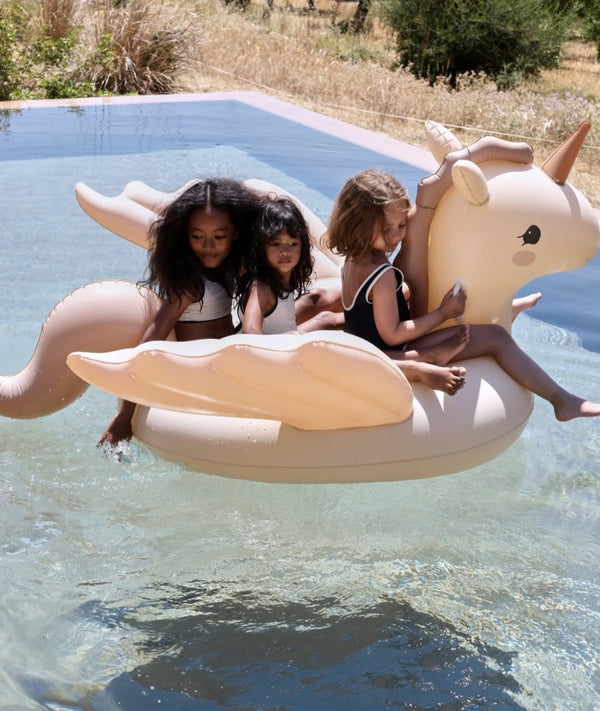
(279,214)
(173,268)
(359,211)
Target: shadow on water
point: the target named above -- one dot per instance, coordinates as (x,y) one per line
(207,651)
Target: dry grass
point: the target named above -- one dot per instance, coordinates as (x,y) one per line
(302,57)
(58,17)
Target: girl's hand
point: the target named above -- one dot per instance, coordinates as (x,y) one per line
(453,304)
(119,428)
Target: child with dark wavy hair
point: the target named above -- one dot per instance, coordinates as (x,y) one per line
(279,267)
(196,259)
(199,247)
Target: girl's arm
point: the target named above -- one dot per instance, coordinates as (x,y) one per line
(163,323)
(165,320)
(387,319)
(259,301)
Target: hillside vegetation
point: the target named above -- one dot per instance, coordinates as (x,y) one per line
(54,48)
(305,58)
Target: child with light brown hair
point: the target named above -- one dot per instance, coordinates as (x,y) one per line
(367,224)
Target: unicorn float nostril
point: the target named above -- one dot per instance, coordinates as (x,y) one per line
(531,235)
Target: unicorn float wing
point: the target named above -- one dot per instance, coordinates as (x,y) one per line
(131,214)
(324,407)
(324,380)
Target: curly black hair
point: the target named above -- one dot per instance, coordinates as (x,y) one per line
(173,268)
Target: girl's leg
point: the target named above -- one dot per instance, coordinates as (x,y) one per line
(323,321)
(317,300)
(524,302)
(493,340)
(442,346)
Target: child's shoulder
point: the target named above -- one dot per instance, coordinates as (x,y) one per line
(364,267)
(259,289)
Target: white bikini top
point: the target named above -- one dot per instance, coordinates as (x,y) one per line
(215,304)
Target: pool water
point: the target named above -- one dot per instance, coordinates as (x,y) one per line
(141,585)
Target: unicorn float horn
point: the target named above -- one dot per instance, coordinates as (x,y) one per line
(559,164)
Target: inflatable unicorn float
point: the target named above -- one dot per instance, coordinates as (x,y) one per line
(325,406)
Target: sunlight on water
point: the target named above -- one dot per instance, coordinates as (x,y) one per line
(140,585)
(142,581)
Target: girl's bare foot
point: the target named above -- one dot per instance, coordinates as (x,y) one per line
(448,379)
(568,407)
(442,353)
(524,302)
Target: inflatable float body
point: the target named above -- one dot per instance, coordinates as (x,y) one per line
(326,406)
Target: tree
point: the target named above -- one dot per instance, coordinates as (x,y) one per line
(505,39)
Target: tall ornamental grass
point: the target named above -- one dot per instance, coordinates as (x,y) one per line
(70,48)
(140,46)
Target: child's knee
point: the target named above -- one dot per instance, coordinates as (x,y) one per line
(497,334)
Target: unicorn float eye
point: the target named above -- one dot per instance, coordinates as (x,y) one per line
(531,235)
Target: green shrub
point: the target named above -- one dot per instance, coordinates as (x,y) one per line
(10,73)
(52,52)
(589,14)
(508,40)
(51,62)
(66,88)
(73,48)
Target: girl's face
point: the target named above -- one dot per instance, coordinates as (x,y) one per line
(210,233)
(387,236)
(283,254)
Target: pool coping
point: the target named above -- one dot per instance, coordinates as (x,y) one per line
(393,148)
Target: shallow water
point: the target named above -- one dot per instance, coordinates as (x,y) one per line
(142,585)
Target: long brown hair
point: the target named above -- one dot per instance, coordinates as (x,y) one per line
(359,211)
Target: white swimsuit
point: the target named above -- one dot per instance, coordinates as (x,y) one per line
(283,317)
(215,304)
(280,319)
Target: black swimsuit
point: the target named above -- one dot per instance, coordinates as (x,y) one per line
(360,319)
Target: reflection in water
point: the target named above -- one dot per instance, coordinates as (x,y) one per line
(235,653)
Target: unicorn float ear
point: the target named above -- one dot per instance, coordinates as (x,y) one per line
(559,164)
(469,180)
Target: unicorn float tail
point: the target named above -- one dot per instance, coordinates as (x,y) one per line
(101,316)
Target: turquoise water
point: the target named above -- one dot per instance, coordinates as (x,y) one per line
(142,585)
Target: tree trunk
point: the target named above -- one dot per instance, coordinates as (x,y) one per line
(360,15)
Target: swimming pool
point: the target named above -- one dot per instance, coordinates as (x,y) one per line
(142,584)
(306,151)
